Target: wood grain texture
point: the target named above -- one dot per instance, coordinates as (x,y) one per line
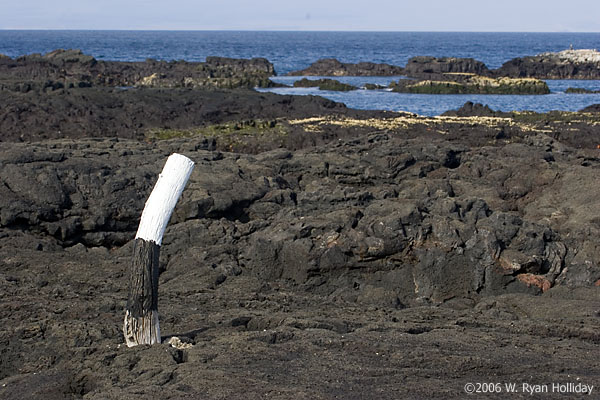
(141,318)
(143,278)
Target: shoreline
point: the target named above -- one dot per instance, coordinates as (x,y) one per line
(63,70)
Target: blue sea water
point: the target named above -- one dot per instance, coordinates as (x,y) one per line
(296,50)
(430,105)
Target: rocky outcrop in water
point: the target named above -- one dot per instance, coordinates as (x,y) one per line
(72,68)
(581,91)
(325,84)
(464,83)
(432,68)
(333,67)
(568,64)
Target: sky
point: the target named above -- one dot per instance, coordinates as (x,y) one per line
(311,15)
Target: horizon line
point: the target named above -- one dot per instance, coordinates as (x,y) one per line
(279,30)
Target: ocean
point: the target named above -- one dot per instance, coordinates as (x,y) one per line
(290,51)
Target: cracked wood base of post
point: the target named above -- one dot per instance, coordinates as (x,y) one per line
(141,316)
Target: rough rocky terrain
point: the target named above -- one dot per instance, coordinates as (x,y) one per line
(71,68)
(445,83)
(325,84)
(581,91)
(132,113)
(567,64)
(463,83)
(333,67)
(432,67)
(317,252)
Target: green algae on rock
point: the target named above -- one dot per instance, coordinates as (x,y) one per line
(466,83)
(72,68)
(255,127)
(230,136)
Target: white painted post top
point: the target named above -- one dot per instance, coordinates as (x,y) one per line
(164,196)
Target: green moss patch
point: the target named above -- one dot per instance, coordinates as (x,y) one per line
(464,83)
(228,130)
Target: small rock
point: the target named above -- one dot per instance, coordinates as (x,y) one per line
(177,343)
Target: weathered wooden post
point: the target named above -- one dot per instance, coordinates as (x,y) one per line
(141,316)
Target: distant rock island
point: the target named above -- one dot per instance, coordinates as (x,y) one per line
(333,67)
(325,84)
(434,68)
(581,91)
(443,83)
(567,64)
(71,68)
(469,83)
